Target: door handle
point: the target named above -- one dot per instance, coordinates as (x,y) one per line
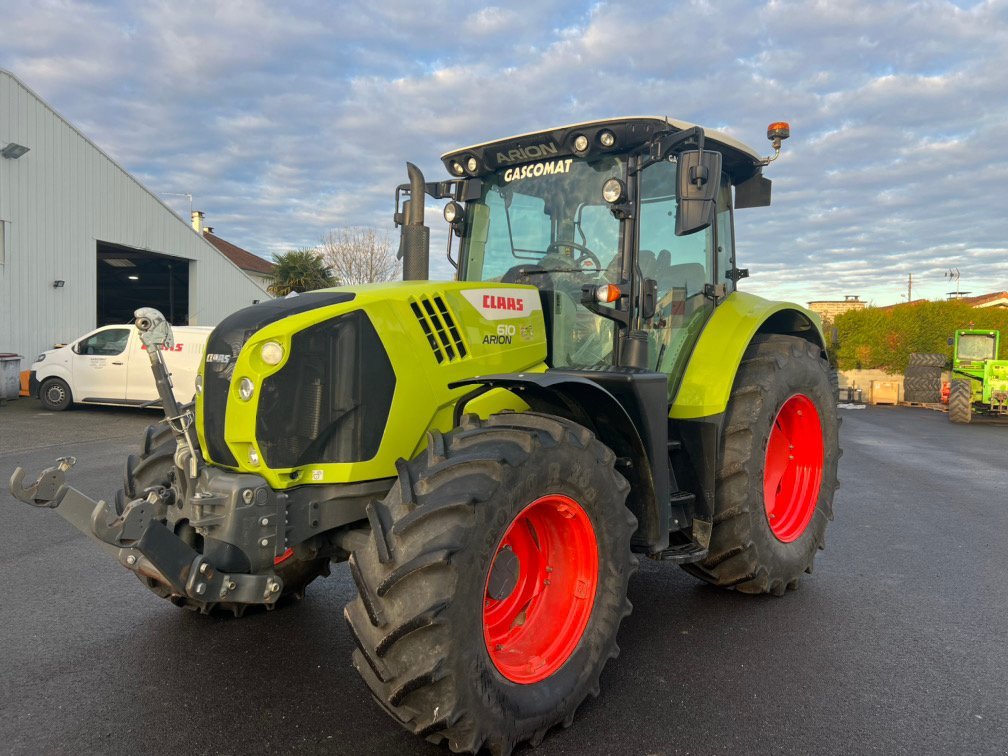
(118,363)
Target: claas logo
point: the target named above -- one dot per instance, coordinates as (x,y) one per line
(490,302)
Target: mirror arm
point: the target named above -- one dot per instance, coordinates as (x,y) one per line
(663,146)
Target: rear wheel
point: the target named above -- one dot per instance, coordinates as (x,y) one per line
(490,595)
(776,469)
(55,394)
(155,466)
(960,403)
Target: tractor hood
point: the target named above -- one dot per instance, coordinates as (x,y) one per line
(335,385)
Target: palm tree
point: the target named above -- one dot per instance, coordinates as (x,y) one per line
(299,270)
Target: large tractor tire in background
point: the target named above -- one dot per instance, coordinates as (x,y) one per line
(155,466)
(960,404)
(494,582)
(776,473)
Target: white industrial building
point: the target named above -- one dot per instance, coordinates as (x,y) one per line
(83,243)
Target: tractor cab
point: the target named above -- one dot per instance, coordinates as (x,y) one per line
(625,226)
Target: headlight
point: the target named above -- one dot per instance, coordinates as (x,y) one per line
(453,212)
(607,139)
(246,388)
(580,143)
(271,353)
(40,357)
(199,383)
(613,190)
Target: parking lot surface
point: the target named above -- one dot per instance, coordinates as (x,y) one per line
(897,644)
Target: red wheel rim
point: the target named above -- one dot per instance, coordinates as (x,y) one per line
(540,589)
(793,471)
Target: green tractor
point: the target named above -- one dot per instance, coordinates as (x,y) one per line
(491,455)
(979,379)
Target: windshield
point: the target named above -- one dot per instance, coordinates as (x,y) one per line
(546,224)
(976,347)
(526,213)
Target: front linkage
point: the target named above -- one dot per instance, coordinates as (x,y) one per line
(200,535)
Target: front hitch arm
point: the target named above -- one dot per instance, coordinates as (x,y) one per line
(44,491)
(139,540)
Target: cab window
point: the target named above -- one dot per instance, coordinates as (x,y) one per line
(105,343)
(681,265)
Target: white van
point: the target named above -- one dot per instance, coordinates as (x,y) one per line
(110,366)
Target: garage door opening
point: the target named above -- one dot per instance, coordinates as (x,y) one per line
(130,278)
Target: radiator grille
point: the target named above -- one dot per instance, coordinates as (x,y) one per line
(440,328)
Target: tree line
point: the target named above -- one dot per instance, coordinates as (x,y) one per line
(884,337)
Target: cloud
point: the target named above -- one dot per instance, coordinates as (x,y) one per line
(285,120)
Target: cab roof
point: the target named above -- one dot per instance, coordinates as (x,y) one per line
(740,160)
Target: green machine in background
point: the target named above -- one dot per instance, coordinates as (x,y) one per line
(979,379)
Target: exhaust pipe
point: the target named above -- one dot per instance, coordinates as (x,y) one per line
(414,241)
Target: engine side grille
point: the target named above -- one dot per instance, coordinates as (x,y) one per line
(438,324)
(330,401)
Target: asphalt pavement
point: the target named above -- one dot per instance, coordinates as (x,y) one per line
(897,644)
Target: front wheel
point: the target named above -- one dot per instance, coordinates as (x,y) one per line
(776,471)
(495,581)
(960,404)
(55,394)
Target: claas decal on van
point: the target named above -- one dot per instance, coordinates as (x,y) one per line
(166,348)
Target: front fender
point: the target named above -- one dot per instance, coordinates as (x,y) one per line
(710,374)
(637,436)
(43,372)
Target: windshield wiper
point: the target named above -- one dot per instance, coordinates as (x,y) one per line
(542,271)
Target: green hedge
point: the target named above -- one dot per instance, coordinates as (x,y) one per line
(884,337)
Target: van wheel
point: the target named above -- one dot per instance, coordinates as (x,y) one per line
(55,395)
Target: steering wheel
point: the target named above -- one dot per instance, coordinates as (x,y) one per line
(586,254)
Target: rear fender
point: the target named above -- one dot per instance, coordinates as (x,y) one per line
(585,402)
(710,374)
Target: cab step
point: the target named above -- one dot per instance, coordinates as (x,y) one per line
(682,553)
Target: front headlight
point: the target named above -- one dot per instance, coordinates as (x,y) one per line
(40,357)
(246,388)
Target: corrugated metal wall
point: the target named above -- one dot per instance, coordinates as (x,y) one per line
(56,202)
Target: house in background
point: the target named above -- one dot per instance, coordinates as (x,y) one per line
(255,267)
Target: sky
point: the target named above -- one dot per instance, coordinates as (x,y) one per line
(285,120)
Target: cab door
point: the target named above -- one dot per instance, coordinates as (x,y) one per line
(100,364)
(682,266)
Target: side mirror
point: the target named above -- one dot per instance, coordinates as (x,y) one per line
(699,180)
